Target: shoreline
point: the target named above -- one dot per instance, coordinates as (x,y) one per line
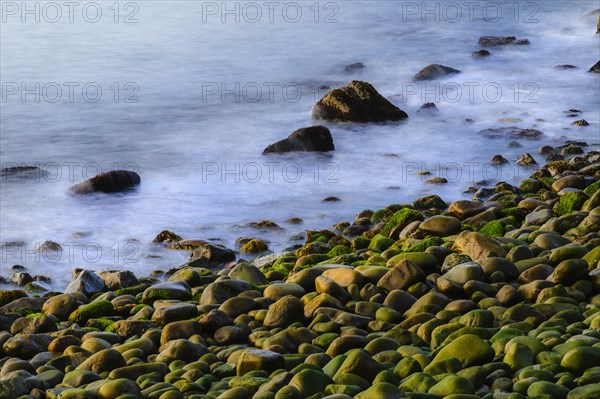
(476,189)
(422,300)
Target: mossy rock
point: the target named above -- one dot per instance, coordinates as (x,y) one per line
(337,389)
(430,201)
(539,388)
(312,249)
(249,273)
(7,296)
(308,260)
(134,290)
(115,388)
(254,246)
(493,229)
(400,219)
(309,382)
(361,363)
(425,260)
(579,359)
(339,250)
(380,243)
(382,215)
(452,385)
(592,188)
(360,243)
(94,310)
(178,290)
(421,246)
(382,390)
(592,258)
(166,236)
(101,324)
(518,355)
(469,349)
(591,391)
(570,202)
(406,367)
(251,384)
(417,382)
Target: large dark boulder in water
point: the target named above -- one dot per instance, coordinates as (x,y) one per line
(313,138)
(357,102)
(112,181)
(435,71)
(492,41)
(595,68)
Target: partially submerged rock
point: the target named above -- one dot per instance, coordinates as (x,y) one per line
(435,71)
(356,102)
(355,67)
(86,282)
(112,181)
(512,132)
(481,53)
(492,41)
(498,159)
(429,107)
(526,160)
(313,138)
(565,67)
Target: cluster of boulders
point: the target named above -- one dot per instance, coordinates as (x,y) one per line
(494,298)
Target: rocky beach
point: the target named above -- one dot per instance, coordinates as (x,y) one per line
(494,295)
(487,298)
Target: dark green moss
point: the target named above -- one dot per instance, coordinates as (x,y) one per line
(592,188)
(284,260)
(570,202)
(136,289)
(101,324)
(360,243)
(345,259)
(380,243)
(7,296)
(466,227)
(382,215)
(312,248)
(546,182)
(514,212)
(360,263)
(317,238)
(429,241)
(339,250)
(92,310)
(283,268)
(493,229)
(403,216)
(254,246)
(339,240)
(529,186)
(137,308)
